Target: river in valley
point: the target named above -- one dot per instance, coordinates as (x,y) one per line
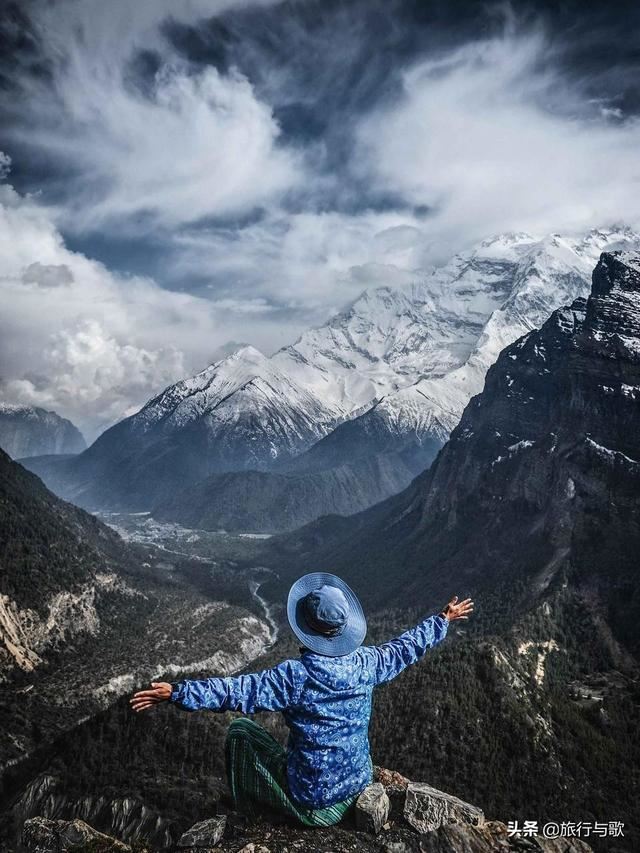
(205,545)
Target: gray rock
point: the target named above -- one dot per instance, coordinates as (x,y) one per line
(396,847)
(38,835)
(426,808)
(205,834)
(42,835)
(372,808)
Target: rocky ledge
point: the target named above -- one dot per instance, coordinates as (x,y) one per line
(393,815)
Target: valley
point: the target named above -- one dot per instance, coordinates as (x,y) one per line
(209,547)
(142,528)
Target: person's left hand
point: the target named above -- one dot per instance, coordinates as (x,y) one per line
(160,692)
(458,609)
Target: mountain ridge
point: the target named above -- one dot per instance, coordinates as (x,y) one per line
(393,381)
(33,431)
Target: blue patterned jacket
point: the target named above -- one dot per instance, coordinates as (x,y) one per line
(326,702)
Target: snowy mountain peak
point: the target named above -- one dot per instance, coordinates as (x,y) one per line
(510,295)
(246,353)
(501,244)
(618,271)
(442,331)
(631,260)
(13,408)
(610,236)
(225,350)
(192,398)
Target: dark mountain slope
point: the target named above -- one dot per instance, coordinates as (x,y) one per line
(84,616)
(362,462)
(266,501)
(47,545)
(368,435)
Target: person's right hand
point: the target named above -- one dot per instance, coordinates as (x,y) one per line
(458,610)
(160,692)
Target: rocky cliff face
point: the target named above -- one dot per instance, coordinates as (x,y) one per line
(30,431)
(570,391)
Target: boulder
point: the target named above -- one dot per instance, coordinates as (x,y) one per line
(204,835)
(426,808)
(42,835)
(372,808)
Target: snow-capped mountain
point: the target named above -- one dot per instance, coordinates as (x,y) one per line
(241,413)
(246,397)
(31,431)
(390,375)
(387,340)
(510,284)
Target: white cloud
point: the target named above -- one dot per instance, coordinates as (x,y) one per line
(89,371)
(90,344)
(191,145)
(485,138)
(308,262)
(491,137)
(258,305)
(47,275)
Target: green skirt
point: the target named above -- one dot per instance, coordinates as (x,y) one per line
(257,774)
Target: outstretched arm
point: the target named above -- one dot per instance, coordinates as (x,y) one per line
(390,659)
(270,690)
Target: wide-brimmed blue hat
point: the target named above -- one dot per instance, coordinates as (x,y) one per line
(325,614)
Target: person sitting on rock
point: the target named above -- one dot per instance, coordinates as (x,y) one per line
(325,696)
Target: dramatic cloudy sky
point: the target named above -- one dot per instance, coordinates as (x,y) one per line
(179,174)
